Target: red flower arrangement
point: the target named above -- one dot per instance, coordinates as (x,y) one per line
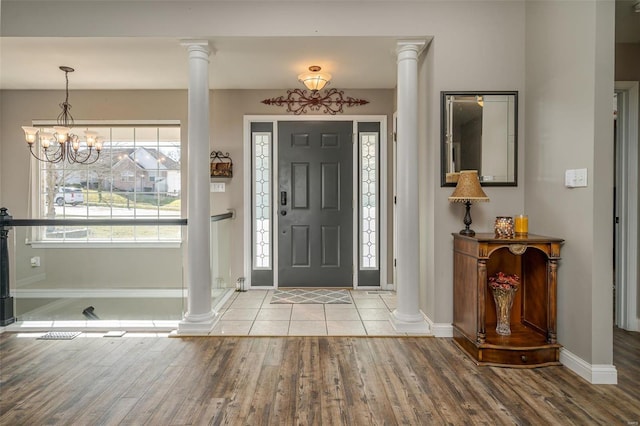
(504,281)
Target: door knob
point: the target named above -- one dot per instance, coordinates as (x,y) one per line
(283,213)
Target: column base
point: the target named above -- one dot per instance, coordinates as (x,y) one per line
(196,325)
(409,323)
(6,311)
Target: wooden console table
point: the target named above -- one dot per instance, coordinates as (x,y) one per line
(534,258)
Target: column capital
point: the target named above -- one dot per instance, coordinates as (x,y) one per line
(202,46)
(416,46)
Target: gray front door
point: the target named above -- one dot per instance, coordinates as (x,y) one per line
(315,241)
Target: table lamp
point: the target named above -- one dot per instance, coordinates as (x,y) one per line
(468,190)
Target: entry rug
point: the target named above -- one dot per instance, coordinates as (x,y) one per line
(323,296)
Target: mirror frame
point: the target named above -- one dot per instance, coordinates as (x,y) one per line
(443,135)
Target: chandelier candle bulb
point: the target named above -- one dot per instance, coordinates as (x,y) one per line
(91,137)
(522,224)
(61,133)
(45,138)
(30,134)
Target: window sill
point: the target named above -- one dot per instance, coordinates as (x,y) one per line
(106,244)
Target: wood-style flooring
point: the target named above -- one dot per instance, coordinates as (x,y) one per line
(296,380)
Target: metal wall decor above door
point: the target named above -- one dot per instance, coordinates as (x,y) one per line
(330,101)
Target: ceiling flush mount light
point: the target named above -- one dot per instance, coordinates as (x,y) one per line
(59,144)
(314,80)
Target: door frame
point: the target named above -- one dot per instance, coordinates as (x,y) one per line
(626,259)
(248,200)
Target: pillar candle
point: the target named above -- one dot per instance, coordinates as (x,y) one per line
(521,224)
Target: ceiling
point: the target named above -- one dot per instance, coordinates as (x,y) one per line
(238,62)
(162,63)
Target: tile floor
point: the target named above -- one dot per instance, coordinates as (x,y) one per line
(251,314)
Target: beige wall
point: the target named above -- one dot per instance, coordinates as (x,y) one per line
(568,125)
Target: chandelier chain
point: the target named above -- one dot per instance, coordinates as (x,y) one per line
(65,118)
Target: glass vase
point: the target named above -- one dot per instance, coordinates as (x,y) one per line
(504,302)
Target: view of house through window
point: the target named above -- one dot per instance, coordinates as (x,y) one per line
(136,176)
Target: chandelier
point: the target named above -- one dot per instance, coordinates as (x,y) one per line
(59,144)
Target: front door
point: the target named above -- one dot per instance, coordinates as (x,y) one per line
(315,204)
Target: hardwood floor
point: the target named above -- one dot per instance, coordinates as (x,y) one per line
(296,380)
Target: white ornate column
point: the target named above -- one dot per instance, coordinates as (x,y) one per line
(199,318)
(407,316)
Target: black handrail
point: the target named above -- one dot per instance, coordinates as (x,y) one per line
(221,216)
(90,222)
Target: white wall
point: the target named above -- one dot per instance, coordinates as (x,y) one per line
(569,75)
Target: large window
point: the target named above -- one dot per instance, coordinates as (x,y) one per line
(136,176)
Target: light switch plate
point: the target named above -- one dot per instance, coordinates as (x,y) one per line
(575,178)
(218,187)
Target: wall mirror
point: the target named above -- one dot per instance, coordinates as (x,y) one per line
(479,132)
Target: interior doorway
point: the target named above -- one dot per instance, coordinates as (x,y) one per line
(625,215)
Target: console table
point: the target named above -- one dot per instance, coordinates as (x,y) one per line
(533,340)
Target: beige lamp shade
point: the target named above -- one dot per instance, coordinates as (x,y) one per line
(468,188)
(314,79)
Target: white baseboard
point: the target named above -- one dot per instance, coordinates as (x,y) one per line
(441,329)
(597,374)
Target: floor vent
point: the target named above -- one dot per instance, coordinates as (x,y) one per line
(59,335)
(382,292)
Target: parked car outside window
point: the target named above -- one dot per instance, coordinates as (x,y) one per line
(73,196)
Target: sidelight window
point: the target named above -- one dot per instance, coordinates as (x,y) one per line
(369,178)
(261,142)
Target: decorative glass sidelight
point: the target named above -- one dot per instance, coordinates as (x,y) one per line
(261,142)
(368,200)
